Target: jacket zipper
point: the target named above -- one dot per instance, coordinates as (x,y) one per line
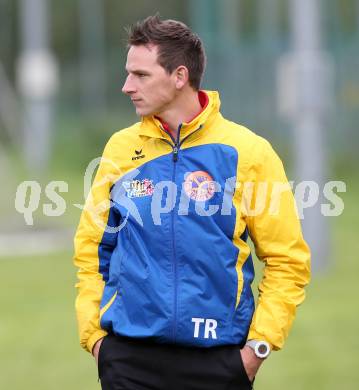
(175,148)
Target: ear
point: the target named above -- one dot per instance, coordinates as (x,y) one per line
(181,76)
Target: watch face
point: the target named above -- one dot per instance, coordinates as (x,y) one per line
(262,349)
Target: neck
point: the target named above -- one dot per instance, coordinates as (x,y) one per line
(183,109)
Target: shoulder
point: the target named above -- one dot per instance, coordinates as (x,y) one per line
(122,139)
(249,145)
(125,135)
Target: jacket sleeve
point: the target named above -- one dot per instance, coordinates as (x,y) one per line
(93,249)
(277,237)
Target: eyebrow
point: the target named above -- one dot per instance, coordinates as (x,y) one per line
(138,71)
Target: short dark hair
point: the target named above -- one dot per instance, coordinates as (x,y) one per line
(177,45)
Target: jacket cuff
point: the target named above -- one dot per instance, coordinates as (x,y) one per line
(99,334)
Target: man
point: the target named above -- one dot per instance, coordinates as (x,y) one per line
(165,271)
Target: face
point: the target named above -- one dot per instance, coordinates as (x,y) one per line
(151,89)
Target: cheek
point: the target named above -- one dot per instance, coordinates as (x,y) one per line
(165,92)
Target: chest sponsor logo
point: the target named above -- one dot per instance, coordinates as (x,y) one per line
(139,188)
(199,186)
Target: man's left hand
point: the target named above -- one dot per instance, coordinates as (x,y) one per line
(251,362)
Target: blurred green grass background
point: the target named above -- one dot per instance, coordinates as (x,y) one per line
(38,330)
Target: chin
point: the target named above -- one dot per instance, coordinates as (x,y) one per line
(143,112)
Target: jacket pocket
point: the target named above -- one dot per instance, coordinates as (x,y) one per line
(108,305)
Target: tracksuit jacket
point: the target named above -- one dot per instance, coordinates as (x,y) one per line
(161,247)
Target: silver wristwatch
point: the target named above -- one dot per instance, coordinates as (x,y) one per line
(261,348)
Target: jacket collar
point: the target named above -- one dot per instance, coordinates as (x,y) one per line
(152,127)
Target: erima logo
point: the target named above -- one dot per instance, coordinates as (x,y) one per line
(138,155)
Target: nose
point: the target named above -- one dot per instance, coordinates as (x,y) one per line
(128,87)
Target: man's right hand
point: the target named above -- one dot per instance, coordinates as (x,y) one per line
(96,349)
